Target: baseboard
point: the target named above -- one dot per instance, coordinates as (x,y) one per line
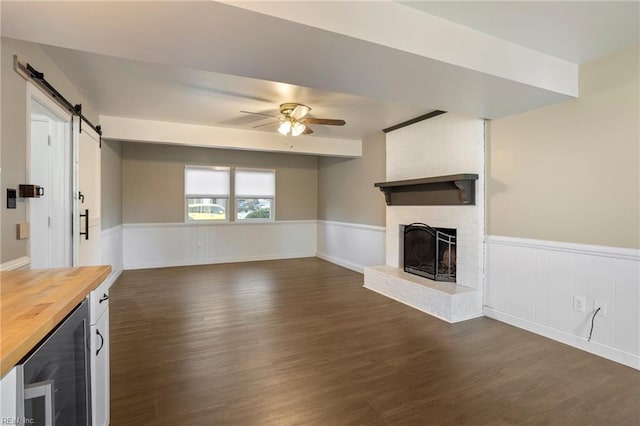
(604,351)
(340,262)
(153,265)
(19,263)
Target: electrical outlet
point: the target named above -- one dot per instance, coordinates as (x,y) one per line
(579,304)
(599,303)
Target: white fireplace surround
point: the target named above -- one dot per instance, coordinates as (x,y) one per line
(443,145)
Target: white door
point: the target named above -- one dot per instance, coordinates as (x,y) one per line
(39,209)
(49,161)
(88,195)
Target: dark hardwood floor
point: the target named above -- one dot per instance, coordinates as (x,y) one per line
(300,341)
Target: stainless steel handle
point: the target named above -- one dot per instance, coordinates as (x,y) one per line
(101,341)
(104,298)
(39,390)
(86,224)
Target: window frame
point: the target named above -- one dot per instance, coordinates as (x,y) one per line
(236,197)
(187,196)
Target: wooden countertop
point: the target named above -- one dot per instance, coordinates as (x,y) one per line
(33,302)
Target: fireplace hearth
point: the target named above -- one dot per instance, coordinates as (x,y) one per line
(429,252)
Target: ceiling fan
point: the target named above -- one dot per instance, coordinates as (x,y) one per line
(293,119)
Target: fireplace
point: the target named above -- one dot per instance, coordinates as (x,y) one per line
(429,252)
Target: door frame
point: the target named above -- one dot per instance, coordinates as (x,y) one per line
(59,114)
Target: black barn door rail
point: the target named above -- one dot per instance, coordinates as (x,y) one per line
(27,71)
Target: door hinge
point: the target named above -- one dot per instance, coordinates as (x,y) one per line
(49,140)
(49,221)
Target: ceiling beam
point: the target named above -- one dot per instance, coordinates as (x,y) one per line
(414,120)
(152,131)
(381,50)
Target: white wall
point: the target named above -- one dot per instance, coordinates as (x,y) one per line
(177,244)
(351,245)
(532,284)
(111,249)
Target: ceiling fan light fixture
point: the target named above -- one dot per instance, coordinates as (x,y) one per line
(285,127)
(297,128)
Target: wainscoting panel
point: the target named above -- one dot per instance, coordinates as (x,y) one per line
(159,245)
(532,284)
(111,251)
(351,245)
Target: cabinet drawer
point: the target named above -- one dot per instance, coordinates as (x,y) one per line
(98,302)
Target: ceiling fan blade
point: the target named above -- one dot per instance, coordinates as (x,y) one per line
(307,130)
(266,124)
(300,111)
(327,121)
(259,113)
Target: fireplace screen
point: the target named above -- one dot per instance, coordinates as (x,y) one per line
(430,252)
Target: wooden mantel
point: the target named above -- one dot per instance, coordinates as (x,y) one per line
(447,190)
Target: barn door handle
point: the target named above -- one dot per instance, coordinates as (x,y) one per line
(86,224)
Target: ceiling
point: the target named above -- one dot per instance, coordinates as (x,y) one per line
(127,88)
(373,64)
(577,31)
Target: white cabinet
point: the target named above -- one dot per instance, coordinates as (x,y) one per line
(9,397)
(100,371)
(99,314)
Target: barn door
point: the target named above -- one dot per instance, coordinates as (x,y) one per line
(88,221)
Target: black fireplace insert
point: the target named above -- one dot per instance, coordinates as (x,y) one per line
(430,252)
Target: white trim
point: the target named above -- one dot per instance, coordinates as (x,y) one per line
(605,351)
(113,230)
(34,92)
(212,223)
(147,265)
(355,225)
(588,249)
(12,265)
(341,262)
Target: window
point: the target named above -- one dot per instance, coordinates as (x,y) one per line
(255,191)
(206,192)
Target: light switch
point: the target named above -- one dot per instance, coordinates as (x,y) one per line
(22,230)
(11,198)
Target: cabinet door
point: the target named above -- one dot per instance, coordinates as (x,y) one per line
(100,371)
(9,396)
